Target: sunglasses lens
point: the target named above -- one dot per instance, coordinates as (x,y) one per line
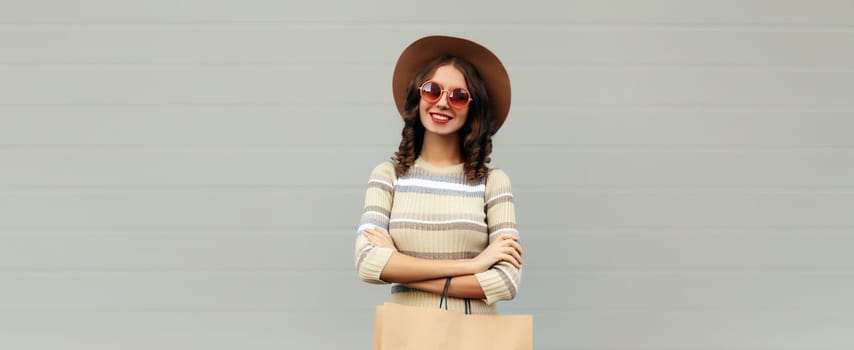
(458,97)
(431,91)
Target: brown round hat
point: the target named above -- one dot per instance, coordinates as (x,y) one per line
(422,51)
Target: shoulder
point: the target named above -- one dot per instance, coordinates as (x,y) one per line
(497,179)
(384,172)
(497,175)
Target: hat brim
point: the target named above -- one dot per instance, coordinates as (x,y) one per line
(422,51)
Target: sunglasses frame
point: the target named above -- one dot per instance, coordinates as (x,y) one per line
(445,92)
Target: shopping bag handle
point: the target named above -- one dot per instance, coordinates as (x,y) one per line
(444,299)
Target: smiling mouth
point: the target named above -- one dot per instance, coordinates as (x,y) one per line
(440,118)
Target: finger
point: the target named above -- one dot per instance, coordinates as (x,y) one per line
(512,260)
(374,238)
(509,236)
(517,256)
(513,244)
(513,252)
(518,248)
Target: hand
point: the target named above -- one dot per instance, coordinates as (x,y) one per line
(379,237)
(504,248)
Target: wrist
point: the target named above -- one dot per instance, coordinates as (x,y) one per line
(468,267)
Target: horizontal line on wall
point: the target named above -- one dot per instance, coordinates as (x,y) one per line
(597,189)
(378,148)
(201,148)
(430,24)
(344,64)
(538,311)
(693,106)
(539,107)
(528,66)
(741,309)
(844,270)
(834,107)
(351,230)
(335,231)
(311,309)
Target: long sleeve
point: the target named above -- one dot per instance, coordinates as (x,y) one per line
(371,260)
(501,282)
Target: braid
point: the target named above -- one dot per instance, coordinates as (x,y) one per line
(409,149)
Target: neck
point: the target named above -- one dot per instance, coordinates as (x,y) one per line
(441,150)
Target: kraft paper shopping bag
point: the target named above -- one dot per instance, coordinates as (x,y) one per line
(400,327)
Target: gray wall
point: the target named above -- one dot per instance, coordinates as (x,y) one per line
(189,174)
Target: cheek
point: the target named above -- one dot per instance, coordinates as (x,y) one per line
(422,109)
(463,115)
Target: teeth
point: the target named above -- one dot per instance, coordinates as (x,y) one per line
(440,117)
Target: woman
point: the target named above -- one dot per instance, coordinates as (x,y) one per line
(436,214)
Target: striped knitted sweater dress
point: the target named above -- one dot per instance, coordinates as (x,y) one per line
(434,212)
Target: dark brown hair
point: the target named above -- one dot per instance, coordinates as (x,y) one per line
(475,135)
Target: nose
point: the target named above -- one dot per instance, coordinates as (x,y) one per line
(443,100)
